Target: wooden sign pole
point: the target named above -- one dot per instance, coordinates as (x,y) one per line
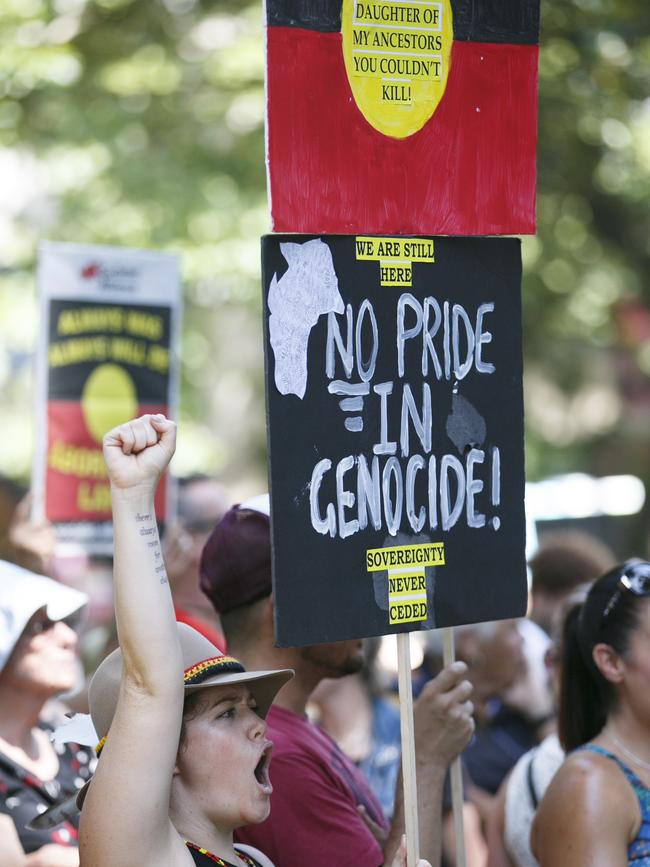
(408,749)
(456,768)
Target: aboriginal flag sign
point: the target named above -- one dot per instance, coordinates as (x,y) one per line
(109,324)
(393,378)
(402,116)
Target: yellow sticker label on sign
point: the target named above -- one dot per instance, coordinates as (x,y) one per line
(397,57)
(406,586)
(395,256)
(407,612)
(407,595)
(381,248)
(395,274)
(407,580)
(428,554)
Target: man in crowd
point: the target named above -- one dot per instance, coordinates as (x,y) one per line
(202,502)
(565,561)
(322,809)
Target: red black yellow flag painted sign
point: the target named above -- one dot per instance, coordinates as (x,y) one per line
(109,321)
(402,116)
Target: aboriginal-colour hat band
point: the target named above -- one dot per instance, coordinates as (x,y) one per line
(198,674)
(204,666)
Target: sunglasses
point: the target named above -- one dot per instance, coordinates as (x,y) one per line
(635,579)
(41,624)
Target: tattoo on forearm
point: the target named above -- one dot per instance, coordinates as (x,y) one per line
(161,569)
(153,545)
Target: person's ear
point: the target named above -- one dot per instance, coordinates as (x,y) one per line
(608,662)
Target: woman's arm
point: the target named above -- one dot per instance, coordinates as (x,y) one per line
(497,853)
(587,817)
(52,855)
(11,852)
(125,817)
(136,455)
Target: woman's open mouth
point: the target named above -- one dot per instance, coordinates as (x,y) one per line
(262,769)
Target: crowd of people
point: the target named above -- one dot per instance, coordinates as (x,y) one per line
(206,743)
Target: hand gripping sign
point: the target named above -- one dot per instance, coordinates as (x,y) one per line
(395,431)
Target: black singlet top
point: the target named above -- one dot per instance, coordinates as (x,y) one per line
(202,859)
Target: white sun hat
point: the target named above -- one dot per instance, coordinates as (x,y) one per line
(22,594)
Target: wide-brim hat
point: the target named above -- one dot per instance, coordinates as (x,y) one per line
(22,594)
(204,666)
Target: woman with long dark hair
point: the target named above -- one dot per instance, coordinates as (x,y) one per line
(597,809)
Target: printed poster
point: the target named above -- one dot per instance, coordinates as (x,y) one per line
(107,353)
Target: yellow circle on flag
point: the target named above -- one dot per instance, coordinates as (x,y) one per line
(397,56)
(109,398)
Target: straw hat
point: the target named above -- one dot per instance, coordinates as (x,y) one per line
(204,666)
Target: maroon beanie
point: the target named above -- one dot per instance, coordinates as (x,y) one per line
(235,565)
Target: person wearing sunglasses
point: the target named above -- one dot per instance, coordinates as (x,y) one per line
(38,661)
(597,809)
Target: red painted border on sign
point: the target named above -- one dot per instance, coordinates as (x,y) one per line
(471,170)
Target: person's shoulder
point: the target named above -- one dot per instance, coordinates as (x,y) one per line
(590,775)
(285,725)
(589,804)
(596,789)
(595,765)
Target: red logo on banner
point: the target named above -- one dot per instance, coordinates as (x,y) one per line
(90,271)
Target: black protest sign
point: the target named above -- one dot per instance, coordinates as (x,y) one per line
(395,410)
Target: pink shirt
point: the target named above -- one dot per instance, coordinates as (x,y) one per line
(316,791)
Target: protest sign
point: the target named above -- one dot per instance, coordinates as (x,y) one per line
(402,116)
(395,410)
(109,320)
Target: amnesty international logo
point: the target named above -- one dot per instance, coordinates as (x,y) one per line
(397,55)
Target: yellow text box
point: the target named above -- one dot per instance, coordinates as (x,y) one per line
(429,554)
(407,612)
(385,13)
(366,62)
(407,249)
(425,41)
(397,273)
(401,584)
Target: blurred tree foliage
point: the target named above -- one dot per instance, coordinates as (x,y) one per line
(141,124)
(586,323)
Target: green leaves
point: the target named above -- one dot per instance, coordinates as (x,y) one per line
(141,124)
